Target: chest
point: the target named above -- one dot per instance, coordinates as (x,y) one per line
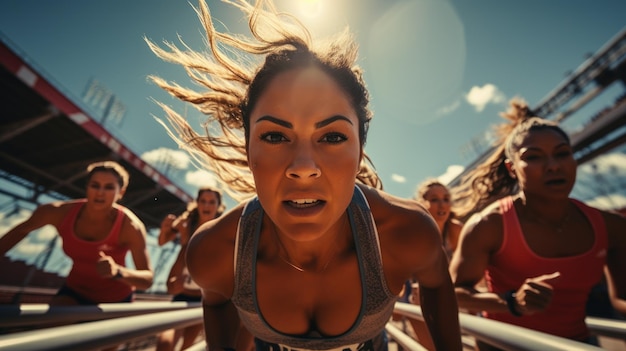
(297,303)
(573,238)
(92,230)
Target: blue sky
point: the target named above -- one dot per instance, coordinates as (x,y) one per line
(438,71)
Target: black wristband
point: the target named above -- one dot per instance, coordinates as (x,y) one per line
(509,297)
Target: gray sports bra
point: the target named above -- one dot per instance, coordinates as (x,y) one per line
(367,332)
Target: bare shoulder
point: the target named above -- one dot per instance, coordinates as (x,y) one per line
(210,253)
(393,211)
(131,221)
(406,230)
(53,212)
(484,228)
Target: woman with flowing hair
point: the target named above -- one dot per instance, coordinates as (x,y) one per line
(540,250)
(207,206)
(315,256)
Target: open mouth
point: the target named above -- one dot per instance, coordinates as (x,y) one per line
(304,203)
(555,182)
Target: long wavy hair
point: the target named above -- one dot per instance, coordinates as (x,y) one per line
(236,70)
(490,180)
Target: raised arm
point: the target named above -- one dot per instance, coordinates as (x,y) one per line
(43,215)
(167,232)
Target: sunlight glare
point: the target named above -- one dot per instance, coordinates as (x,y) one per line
(310,8)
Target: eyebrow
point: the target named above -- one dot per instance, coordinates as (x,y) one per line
(319,124)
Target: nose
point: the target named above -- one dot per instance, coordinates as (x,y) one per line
(553,163)
(303,165)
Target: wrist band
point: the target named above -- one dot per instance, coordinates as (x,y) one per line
(509,297)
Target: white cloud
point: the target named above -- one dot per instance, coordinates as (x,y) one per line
(200,178)
(163,156)
(449,108)
(398,178)
(479,97)
(451,173)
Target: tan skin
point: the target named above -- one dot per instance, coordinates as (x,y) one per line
(315,151)
(545,169)
(208,204)
(94,223)
(438,203)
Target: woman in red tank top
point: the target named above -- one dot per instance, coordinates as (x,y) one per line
(97,233)
(540,251)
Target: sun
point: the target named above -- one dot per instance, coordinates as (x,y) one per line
(310,8)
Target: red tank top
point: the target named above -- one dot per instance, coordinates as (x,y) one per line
(83,278)
(515,262)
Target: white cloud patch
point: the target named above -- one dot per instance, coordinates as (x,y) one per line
(201,178)
(451,173)
(398,178)
(480,97)
(446,110)
(163,156)
(604,177)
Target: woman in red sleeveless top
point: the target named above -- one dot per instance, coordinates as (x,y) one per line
(539,250)
(97,234)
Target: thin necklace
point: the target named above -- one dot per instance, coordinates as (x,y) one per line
(287,261)
(558,227)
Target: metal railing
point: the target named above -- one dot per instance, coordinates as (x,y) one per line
(100,334)
(125,322)
(37,314)
(505,336)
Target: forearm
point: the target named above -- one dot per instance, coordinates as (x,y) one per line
(10,239)
(221,325)
(140,279)
(441,314)
(475,301)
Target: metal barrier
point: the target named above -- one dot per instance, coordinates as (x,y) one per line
(99,334)
(504,336)
(607,327)
(158,316)
(36,314)
(407,342)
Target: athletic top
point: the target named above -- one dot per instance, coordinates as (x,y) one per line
(367,332)
(84,278)
(515,261)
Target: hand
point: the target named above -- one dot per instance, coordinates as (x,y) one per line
(175,285)
(535,294)
(167,223)
(106,266)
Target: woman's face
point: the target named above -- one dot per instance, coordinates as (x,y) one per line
(304,152)
(437,201)
(544,164)
(103,189)
(208,203)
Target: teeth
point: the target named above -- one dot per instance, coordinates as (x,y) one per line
(304,201)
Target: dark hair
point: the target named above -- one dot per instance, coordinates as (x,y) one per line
(491,180)
(110,167)
(192,214)
(234,84)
